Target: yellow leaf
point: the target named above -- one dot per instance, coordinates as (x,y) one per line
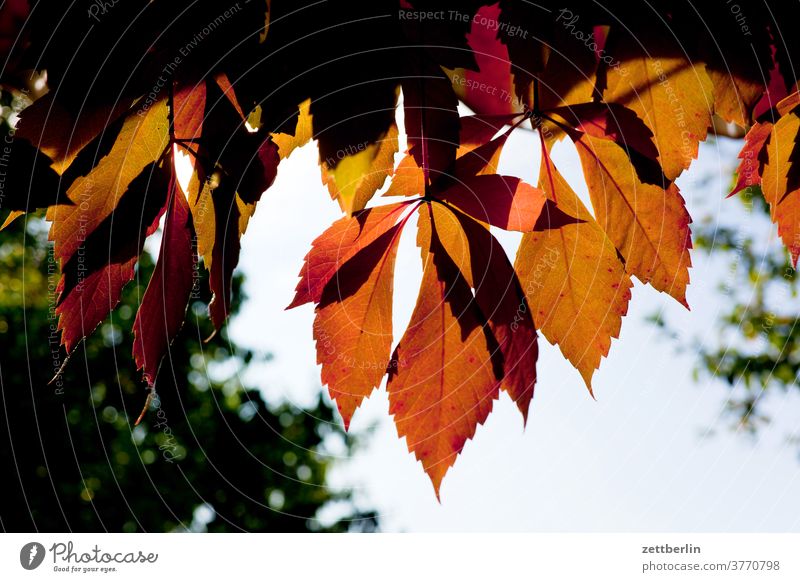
(576,286)
(779,182)
(141,141)
(303,132)
(354,179)
(647,223)
(672,95)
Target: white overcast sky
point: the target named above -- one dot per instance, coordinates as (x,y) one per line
(651,454)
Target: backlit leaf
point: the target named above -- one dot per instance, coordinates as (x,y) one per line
(353,324)
(163,305)
(442,383)
(576,286)
(647,223)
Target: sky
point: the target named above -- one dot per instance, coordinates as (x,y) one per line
(653,452)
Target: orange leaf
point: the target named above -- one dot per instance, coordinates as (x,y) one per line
(576,285)
(779,180)
(442,383)
(486,268)
(338,244)
(749,171)
(671,94)
(227,89)
(141,141)
(408,179)
(647,223)
(353,325)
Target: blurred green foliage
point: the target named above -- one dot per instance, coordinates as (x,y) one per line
(210,454)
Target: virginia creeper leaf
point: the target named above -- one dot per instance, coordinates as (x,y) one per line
(92,279)
(502,201)
(353,180)
(780,180)
(142,141)
(575,284)
(647,223)
(163,307)
(442,382)
(333,248)
(431,120)
(353,324)
(671,94)
(485,266)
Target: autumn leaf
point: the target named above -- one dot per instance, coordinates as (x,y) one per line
(333,248)
(225,252)
(485,266)
(163,307)
(442,383)
(431,121)
(303,131)
(502,201)
(753,154)
(477,130)
(93,278)
(228,91)
(647,223)
(353,324)
(407,179)
(59,133)
(490,88)
(750,167)
(477,154)
(671,94)
(353,180)
(611,121)
(575,284)
(141,141)
(189,106)
(779,180)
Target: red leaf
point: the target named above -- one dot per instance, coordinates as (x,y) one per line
(338,244)
(188,110)
(163,306)
(93,278)
(749,171)
(502,201)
